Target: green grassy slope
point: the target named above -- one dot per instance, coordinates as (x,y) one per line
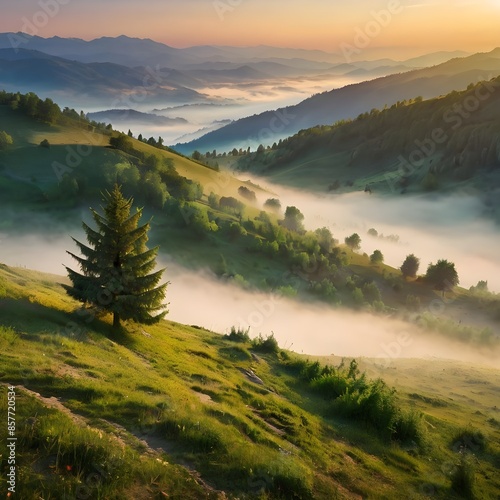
(176,411)
(79,149)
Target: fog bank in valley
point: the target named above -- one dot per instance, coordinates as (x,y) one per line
(227,101)
(432,227)
(197,298)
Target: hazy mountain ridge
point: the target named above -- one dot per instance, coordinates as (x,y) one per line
(350,101)
(135,52)
(141,74)
(19,68)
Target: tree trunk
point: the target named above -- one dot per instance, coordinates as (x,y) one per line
(116,321)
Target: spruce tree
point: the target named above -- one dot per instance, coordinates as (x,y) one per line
(116,266)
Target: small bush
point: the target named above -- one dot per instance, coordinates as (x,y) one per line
(332,385)
(470,439)
(238,335)
(45,144)
(267,345)
(408,427)
(463,477)
(5,140)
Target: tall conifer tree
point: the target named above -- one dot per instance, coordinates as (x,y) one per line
(116,265)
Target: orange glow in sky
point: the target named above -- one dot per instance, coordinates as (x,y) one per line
(404,26)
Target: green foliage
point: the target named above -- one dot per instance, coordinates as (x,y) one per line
(155,191)
(213,201)
(232,205)
(353,396)
(325,239)
(463,477)
(470,439)
(236,231)
(353,241)
(287,291)
(221,268)
(457,331)
(376,139)
(266,344)
(410,266)
(430,182)
(238,335)
(121,142)
(248,194)
(376,257)
(32,106)
(198,220)
(480,289)
(293,219)
(5,140)
(244,440)
(273,204)
(357,296)
(115,267)
(325,288)
(68,187)
(443,275)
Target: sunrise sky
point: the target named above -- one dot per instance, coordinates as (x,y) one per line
(414,27)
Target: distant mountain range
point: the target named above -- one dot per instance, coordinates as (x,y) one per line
(141,52)
(348,102)
(31,70)
(141,74)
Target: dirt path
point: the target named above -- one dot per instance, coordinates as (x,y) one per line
(143,441)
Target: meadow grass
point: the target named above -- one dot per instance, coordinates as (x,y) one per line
(184,390)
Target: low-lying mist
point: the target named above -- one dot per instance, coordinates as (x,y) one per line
(433,227)
(230,101)
(198,298)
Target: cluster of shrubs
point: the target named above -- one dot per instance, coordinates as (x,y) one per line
(353,396)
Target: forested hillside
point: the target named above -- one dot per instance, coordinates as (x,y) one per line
(440,144)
